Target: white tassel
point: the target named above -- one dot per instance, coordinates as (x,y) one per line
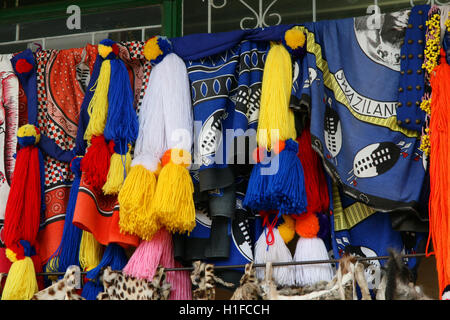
(277,252)
(151,140)
(178,114)
(309,249)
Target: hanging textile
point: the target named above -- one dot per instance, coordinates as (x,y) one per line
(225,90)
(353,224)
(353,97)
(9,118)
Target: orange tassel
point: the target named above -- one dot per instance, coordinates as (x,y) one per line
(439,204)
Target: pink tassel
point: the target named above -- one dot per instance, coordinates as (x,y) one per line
(147,257)
(159,251)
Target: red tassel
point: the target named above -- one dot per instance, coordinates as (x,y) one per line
(95,164)
(23,207)
(439,202)
(315,182)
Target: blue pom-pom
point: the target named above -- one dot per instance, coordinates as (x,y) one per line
(26,141)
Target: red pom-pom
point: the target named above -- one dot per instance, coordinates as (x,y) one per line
(23,66)
(307,225)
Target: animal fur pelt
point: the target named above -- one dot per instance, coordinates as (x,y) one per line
(119,286)
(64,289)
(398,282)
(341,287)
(204,279)
(249,286)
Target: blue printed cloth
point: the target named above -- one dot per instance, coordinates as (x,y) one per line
(352,80)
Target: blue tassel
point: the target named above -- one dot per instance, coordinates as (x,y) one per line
(122,124)
(287,188)
(114,257)
(256,196)
(67,253)
(91,289)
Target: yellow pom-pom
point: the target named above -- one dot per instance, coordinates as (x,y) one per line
(21,283)
(28,134)
(287,228)
(294,38)
(104,50)
(151,49)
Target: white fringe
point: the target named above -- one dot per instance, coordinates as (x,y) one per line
(309,249)
(165,116)
(178,115)
(151,141)
(278,252)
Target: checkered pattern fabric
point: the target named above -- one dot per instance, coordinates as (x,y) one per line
(136,51)
(56,172)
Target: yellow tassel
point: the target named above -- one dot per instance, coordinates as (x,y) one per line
(98,106)
(90,251)
(287,228)
(135,198)
(173,201)
(21,283)
(276,119)
(116,173)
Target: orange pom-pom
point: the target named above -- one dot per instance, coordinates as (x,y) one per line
(279,146)
(307,225)
(166,157)
(177,156)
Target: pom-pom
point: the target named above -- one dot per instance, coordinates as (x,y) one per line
(23,66)
(294,40)
(156,48)
(177,156)
(287,228)
(108,49)
(28,135)
(307,225)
